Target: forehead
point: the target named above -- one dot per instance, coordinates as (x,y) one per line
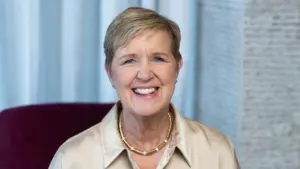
(151,41)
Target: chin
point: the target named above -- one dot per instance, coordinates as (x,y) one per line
(147,104)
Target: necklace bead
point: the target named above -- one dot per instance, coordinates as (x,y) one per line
(151,151)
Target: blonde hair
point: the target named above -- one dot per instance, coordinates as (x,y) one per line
(134,21)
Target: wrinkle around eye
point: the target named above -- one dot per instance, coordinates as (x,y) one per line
(158,59)
(129,61)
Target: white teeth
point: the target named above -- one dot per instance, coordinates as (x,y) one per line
(145,91)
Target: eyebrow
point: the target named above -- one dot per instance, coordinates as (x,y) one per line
(127,55)
(160,53)
(135,55)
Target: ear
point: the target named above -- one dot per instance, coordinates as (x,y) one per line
(108,72)
(179,65)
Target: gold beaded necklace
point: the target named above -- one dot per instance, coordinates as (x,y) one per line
(151,151)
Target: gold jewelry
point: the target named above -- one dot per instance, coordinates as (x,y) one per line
(151,151)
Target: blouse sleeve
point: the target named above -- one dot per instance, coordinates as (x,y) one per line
(56,162)
(227,155)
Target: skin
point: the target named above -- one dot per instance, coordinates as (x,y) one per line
(145,62)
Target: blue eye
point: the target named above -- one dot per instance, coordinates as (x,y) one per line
(158,59)
(129,61)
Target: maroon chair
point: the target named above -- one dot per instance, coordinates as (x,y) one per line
(30,135)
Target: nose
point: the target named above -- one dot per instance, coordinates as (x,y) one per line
(145,72)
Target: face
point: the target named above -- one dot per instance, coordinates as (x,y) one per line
(144,73)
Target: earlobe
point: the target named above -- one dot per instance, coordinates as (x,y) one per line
(108,72)
(179,65)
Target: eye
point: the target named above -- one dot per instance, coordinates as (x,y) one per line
(158,59)
(129,61)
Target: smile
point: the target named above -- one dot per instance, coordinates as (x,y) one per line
(145,91)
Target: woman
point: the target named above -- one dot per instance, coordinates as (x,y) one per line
(143,130)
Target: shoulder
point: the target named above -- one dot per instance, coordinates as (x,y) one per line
(207,135)
(199,129)
(89,138)
(82,147)
(212,143)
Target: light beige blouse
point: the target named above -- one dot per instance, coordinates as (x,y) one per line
(192,145)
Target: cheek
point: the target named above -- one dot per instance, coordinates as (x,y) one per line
(168,75)
(122,77)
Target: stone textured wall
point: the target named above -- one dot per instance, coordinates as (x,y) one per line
(270,122)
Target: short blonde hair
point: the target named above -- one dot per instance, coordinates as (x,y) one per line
(134,21)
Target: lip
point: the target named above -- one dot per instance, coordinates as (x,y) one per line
(144,87)
(147,96)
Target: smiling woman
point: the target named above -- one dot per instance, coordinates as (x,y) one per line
(144,73)
(143,129)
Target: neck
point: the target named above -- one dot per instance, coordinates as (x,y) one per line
(145,131)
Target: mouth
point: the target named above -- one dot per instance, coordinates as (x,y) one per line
(145,91)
